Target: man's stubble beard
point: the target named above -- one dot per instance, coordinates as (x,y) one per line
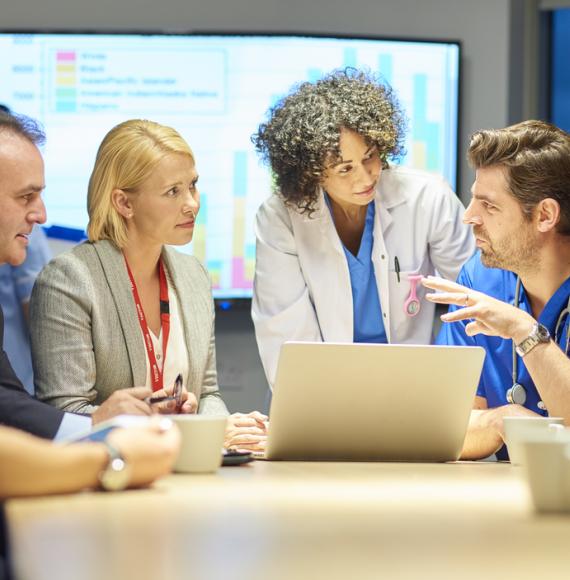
(516,255)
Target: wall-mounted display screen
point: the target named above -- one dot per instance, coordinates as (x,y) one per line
(215,90)
(559,70)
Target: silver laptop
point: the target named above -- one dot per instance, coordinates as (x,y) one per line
(372,402)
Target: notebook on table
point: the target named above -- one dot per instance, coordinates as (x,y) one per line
(372,402)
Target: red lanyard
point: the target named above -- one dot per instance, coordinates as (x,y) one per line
(156,374)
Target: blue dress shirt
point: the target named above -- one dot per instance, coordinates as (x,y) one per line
(72,425)
(16,283)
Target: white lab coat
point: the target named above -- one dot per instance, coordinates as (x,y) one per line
(302,289)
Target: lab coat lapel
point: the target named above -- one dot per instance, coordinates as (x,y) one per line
(327,273)
(381,260)
(389,194)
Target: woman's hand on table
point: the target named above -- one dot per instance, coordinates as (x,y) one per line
(246,431)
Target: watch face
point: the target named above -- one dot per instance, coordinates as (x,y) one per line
(542,333)
(116,475)
(539,335)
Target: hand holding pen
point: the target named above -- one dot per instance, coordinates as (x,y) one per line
(173,400)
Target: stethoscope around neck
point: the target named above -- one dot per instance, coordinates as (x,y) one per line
(517,393)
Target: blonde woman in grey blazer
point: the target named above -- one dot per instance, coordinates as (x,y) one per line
(87,339)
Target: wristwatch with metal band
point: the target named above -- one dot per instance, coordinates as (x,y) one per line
(116,474)
(538,335)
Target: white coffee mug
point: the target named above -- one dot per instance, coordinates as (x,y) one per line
(202,440)
(519,429)
(547,470)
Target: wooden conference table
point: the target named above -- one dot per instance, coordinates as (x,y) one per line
(285,520)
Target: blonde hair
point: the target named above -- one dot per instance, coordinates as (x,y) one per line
(126,157)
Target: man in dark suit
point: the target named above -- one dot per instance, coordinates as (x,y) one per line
(17,408)
(21,208)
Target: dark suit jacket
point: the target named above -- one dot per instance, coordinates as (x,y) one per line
(5,573)
(19,409)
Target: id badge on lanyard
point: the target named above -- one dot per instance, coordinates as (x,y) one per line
(156,373)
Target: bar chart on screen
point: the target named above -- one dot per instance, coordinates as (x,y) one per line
(215,90)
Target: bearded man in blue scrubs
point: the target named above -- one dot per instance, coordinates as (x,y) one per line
(513,296)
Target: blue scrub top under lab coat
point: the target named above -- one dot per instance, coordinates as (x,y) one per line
(496,377)
(367,312)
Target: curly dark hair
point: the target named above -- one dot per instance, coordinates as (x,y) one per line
(303,130)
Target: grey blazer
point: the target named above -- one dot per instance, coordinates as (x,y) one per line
(86,338)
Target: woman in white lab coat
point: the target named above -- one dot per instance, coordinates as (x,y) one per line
(340,242)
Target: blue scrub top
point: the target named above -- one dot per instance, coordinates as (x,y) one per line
(367,312)
(496,378)
(16,283)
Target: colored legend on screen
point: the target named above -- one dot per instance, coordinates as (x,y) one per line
(65,81)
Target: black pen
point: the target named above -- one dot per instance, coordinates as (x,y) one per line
(154,400)
(177,391)
(397,267)
(176,396)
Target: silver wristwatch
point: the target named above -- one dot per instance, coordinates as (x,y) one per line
(538,335)
(116,474)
